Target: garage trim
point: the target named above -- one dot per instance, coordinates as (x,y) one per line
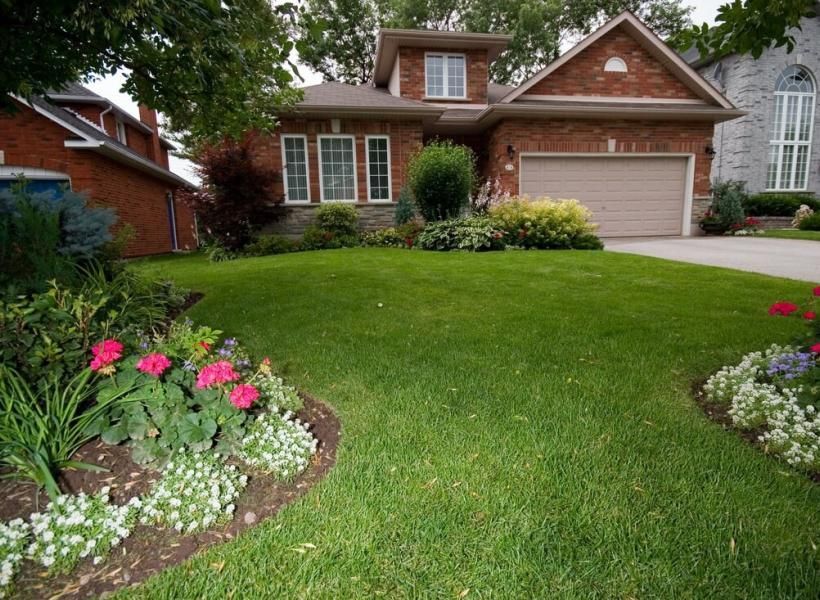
(689,183)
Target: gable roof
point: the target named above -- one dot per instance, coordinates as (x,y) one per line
(389,40)
(89,136)
(651,42)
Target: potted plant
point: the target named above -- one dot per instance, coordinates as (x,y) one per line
(727,207)
(712,224)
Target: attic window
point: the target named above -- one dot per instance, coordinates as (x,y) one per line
(445,75)
(121,132)
(615,65)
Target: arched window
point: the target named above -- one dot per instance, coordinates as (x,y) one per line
(791,132)
(615,65)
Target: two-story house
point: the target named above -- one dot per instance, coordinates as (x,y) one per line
(78,139)
(619,122)
(775,147)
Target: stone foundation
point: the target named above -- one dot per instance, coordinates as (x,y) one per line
(293,220)
(775,222)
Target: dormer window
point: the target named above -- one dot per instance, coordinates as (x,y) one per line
(121,133)
(445,75)
(615,65)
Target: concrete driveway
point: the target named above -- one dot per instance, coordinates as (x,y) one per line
(795,259)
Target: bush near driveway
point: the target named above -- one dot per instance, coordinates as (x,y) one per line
(778,205)
(545,224)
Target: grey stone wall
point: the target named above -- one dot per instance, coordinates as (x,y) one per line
(742,145)
(295,219)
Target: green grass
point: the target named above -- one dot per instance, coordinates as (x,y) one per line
(515,424)
(793,234)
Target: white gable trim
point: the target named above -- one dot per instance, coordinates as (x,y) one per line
(677,65)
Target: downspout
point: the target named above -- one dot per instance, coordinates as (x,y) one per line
(102,114)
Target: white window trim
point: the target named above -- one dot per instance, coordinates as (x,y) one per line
(389,198)
(445,56)
(304,138)
(781,143)
(122,138)
(319,139)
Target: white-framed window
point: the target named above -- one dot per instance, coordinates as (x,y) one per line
(616,64)
(121,133)
(791,132)
(295,167)
(378,168)
(337,168)
(445,75)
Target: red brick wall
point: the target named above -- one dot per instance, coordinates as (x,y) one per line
(584,75)
(579,135)
(405,139)
(412,80)
(30,140)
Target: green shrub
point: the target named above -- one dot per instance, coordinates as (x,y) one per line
(316,238)
(728,198)
(43,237)
(337,217)
(464,233)
(810,223)
(40,430)
(544,223)
(405,209)
(441,177)
(265,245)
(384,238)
(778,205)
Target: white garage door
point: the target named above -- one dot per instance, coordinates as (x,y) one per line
(628,196)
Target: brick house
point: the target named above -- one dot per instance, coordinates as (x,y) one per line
(775,147)
(619,122)
(78,139)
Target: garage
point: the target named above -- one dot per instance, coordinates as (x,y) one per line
(628,195)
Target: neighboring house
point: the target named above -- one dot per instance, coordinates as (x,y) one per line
(619,122)
(78,139)
(776,146)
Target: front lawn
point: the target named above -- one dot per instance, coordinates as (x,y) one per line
(793,234)
(515,424)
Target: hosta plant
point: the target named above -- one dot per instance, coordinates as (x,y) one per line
(196,491)
(277,445)
(75,527)
(13,541)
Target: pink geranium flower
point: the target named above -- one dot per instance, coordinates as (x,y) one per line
(782,308)
(105,354)
(816,291)
(815,348)
(154,364)
(216,374)
(244,395)
(810,315)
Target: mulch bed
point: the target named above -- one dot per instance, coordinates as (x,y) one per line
(719,413)
(149,550)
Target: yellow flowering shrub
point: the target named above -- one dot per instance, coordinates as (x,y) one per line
(545,223)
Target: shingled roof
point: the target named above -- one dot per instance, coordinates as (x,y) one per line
(336,95)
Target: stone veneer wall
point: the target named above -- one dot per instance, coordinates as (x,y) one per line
(295,219)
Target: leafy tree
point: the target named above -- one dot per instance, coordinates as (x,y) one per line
(233,199)
(749,26)
(540,28)
(212,67)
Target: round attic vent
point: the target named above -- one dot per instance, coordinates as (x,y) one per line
(615,65)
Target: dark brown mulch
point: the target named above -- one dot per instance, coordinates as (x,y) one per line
(149,550)
(191,299)
(719,413)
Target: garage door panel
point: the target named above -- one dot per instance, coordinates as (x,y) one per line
(628,196)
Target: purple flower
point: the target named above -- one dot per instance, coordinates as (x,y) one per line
(229,342)
(225,352)
(243,363)
(790,365)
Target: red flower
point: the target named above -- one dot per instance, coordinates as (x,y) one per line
(782,308)
(815,348)
(810,315)
(205,346)
(244,395)
(816,291)
(154,364)
(409,241)
(752,222)
(105,354)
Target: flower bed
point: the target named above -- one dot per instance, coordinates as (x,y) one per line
(173,410)
(774,394)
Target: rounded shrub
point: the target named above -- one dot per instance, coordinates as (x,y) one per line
(728,198)
(441,177)
(810,223)
(544,223)
(341,219)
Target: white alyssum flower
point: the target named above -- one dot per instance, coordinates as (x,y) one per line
(276,395)
(193,493)
(278,445)
(791,430)
(75,527)
(13,539)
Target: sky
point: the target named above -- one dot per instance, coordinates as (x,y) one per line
(109,87)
